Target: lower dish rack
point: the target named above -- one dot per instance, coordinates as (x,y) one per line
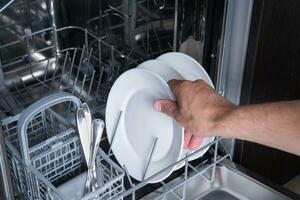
(169,187)
(30,183)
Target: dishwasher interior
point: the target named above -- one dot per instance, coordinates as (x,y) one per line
(81,47)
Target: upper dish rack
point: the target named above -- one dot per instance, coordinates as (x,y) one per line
(40,53)
(86,70)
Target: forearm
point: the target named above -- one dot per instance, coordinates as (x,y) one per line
(273,124)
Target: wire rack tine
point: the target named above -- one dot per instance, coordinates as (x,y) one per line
(82,85)
(221,143)
(72,64)
(175,26)
(46,70)
(78,71)
(128,176)
(150,157)
(133,192)
(63,69)
(215,164)
(29,55)
(74,85)
(114,130)
(88,62)
(90,87)
(186,168)
(55,71)
(86,39)
(89,55)
(75,81)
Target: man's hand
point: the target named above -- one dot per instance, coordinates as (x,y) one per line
(203,112)
(199,109)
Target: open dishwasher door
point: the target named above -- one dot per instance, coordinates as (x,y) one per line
(82,47)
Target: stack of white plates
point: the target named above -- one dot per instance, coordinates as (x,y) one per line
(134,127)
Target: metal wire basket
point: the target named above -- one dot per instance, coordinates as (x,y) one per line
(44,150)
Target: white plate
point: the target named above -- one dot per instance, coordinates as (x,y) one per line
(166,72)
(191,70)
(161,68)
(134,93)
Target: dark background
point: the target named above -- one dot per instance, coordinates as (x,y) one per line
(272,73)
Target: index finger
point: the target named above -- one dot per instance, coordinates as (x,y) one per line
(174,86)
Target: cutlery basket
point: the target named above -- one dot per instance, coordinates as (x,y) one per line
(44,150)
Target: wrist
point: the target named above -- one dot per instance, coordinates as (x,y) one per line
(224,122)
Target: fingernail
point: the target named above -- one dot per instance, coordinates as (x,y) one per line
(157,106)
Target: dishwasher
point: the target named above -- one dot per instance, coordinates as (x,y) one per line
(79,48)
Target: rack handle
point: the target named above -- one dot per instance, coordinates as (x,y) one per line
(38,106)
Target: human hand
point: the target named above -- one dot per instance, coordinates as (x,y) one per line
(199,109)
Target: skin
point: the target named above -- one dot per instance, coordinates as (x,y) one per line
(203,112)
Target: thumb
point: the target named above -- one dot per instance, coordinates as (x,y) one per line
(168,107)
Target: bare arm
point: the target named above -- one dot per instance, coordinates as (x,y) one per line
(272,124)
(203,112)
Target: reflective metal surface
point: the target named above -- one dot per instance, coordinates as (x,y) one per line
(7,192)
(232,54)
(230,183)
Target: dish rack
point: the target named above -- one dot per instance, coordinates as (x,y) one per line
(51,151)
(43,63)
(80,69)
